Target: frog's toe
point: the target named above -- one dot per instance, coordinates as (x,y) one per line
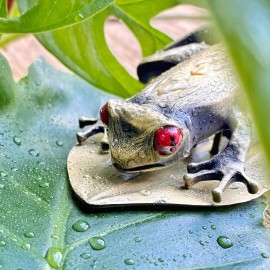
(83,135)
(196,167)
(252,185)
(222,186)
(231,177)
(191,179)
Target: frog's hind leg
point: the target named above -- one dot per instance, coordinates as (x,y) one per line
(228,165)
(175,53)
(217,141)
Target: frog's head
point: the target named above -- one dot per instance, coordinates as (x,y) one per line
(142,139)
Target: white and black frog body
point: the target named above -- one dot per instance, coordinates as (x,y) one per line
(194,99)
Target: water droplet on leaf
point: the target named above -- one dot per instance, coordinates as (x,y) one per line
(17,140)
(265,256)
(80,226)
(59,143)
(54,257)
(129,261)
(25,246)
(2,243)
(44,185)
(54,236)
(85,255)
(79,17)
(29,235)
(33,152)
(138,239)
(97,243)
(224,241)
(2,174)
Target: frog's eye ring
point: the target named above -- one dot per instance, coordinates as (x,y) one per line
(167,140)
(104,115)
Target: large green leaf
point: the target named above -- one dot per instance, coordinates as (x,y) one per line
(83,48)
(38,15)
(245,28)
(38,121)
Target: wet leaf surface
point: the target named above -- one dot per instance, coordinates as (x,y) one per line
(41,224)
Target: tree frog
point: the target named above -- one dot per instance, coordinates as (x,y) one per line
(193,97)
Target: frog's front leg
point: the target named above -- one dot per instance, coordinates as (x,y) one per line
(93,130)
(228,166)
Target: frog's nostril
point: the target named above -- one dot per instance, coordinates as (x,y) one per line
(167,140)
(104,115)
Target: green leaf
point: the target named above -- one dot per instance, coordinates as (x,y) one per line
(3,8)
(245,28)
(84,50)
(46,15)
(41,223)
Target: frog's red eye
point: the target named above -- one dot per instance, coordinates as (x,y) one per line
(104,115)
(167,139)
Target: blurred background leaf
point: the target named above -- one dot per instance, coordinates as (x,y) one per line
(83,48)
(37,16)
(245,29)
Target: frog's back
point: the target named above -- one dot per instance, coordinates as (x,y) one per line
(206,79)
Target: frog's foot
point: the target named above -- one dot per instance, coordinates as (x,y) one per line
(93,130)
(226,173)
(84,135)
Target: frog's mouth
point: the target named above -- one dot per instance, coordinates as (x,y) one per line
(145,168)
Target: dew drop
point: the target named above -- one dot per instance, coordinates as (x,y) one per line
(29,235)
(201,243)
(2,174)
(54,257)
(85,255)
(2,186)
(97,243)
(2,243)
(224,241)
(204,227)
(14,169)
(79,17)
(59,143)
(145,192)
(213,227)
(80,226)
(44,185)
(17,140)
(25,246)
(33,152)
(252,215)
(129,262)
(264,255)
(54,236)
(137,239)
